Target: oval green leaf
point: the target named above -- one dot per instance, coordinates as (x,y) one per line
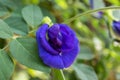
(85,53)
(85,72)
(32,15)
(17,24)
(12,4)
(98,4)
(6,66)
(24,50)
(116,14)
(5,31)
(3,10)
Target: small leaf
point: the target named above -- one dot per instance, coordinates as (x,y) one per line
(116,14)
(85,72)
(16,23)
(98,4)
(6,66)
(24,50)
(3,10)
(85,53)
(8,3)
(32,15)
(5,31)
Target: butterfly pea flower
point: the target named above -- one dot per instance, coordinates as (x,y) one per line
(58,45)
(116,27)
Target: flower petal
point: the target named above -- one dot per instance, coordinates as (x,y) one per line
(41,39)
(53,34)
(53,31)
(70,56)
(68,37)
(116,26)
(54,61)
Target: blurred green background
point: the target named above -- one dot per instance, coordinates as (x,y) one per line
(99,47)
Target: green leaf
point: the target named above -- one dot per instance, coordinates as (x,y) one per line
(85,53)
(57,74)
(5,31)
(6,66)
(3,10)
(47,13)
(114,2)
(117,75)
(16,23)
(32,15)
(116,48)
(8,3)
(85,72)
(98,4)
(24,50)
(116,14)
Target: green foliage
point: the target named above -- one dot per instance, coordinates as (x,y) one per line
(57,74)
(116,14)
(8,3)
(98,4)
(45,13)
(6,66)
(85,72)
(32,15)
(3,10)
(5,31)
(16,23)
(99,54)
(85,53)
(23,51)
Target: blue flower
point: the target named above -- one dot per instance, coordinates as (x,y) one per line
(116,27)
(58,45)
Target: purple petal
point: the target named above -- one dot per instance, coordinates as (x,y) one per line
(59,61)
(54,61)
(70,56)
(53,34)
(53,31)
(41,39)
(116,27)
(68,37)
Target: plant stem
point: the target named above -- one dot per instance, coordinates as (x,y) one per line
(5,47)
(57,74)
(89,12)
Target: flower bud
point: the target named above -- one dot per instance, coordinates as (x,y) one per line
(116,27)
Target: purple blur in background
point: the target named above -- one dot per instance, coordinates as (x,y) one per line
(116,27)
(58,45)
(91,4)
(97,14)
